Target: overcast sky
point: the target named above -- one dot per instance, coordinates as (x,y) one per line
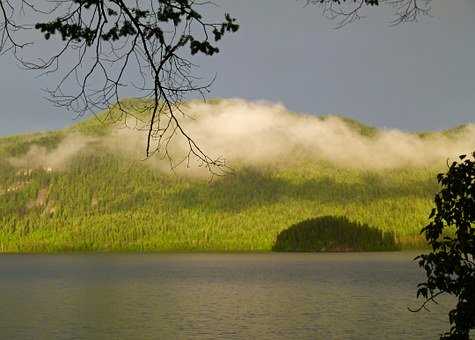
(414,77)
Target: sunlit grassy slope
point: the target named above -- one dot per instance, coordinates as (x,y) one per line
(106,202)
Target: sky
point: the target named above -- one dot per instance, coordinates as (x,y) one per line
(416,76)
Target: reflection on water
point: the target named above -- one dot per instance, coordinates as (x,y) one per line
(209,296)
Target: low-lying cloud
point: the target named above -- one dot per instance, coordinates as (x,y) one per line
(39,157)
(261,133)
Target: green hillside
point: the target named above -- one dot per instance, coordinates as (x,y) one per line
(105,201)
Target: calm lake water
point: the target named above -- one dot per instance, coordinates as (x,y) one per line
(214,296)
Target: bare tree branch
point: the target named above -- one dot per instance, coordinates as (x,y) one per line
(110,40)
(346,12)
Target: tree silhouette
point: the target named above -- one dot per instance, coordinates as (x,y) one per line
(450,266)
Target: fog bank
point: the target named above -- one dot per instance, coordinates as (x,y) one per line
(262,133)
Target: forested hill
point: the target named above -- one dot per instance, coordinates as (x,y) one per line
(85,188)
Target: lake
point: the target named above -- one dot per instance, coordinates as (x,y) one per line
(214,296)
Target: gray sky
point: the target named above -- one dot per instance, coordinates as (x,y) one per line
(413,77)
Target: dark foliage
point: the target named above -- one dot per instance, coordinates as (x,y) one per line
(450,266)
(333,233)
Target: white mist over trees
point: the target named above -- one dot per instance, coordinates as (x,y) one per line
(261,133)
